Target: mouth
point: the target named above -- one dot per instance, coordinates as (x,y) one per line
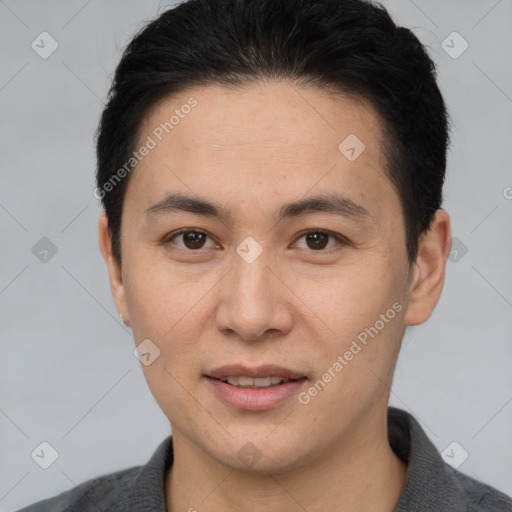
(254,389)
(255,383)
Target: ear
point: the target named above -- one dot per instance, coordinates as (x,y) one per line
(113,267)
(429,270)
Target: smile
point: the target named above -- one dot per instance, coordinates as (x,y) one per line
(258,382)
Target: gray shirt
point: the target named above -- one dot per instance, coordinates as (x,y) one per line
(431,484)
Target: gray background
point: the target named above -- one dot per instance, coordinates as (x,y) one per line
(67,372)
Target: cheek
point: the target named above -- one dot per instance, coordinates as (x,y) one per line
(159,312)
(160,299)
(350,298)
(163,313)
(167,307)
(360,320)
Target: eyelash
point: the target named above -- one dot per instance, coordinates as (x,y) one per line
(341,241)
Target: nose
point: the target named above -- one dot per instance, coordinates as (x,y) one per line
(253,302)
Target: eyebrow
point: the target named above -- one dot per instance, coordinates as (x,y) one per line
(334,203)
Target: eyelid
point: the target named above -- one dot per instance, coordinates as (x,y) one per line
(174,234)
(341,240)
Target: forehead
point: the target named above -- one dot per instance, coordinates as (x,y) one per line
(271,113)
(262,136)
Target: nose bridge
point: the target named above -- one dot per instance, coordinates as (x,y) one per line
(252,302)
(251,282)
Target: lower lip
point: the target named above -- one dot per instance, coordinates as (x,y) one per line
(253,399)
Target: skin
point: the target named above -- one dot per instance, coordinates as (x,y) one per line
(251,150)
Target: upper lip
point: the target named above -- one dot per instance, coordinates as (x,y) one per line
(239,370)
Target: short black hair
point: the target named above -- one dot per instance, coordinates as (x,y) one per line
(347,46)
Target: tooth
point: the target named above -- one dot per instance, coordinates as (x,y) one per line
(233,381)
(245,381)
(263,381)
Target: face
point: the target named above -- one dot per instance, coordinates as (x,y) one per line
(260,238)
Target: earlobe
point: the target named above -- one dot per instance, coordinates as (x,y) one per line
(113,267)
(429,270)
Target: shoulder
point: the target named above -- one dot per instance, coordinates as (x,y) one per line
(481,497)
(431,483)
(105,492)
(138,488)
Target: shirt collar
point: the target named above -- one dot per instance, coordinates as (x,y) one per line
(148,489)
(430,483)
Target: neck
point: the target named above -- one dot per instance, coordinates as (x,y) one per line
(360,474)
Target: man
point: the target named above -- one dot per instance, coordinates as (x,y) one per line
(272,174)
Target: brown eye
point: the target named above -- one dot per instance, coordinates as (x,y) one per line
(193,239)
(189,239)
(317,240)
(320,240)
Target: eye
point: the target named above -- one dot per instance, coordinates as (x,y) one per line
(319,240)
(192,239)
(195,239)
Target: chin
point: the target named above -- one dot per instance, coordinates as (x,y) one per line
(263,456)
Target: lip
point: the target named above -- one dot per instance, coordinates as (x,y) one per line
(239,370)
(252,399)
